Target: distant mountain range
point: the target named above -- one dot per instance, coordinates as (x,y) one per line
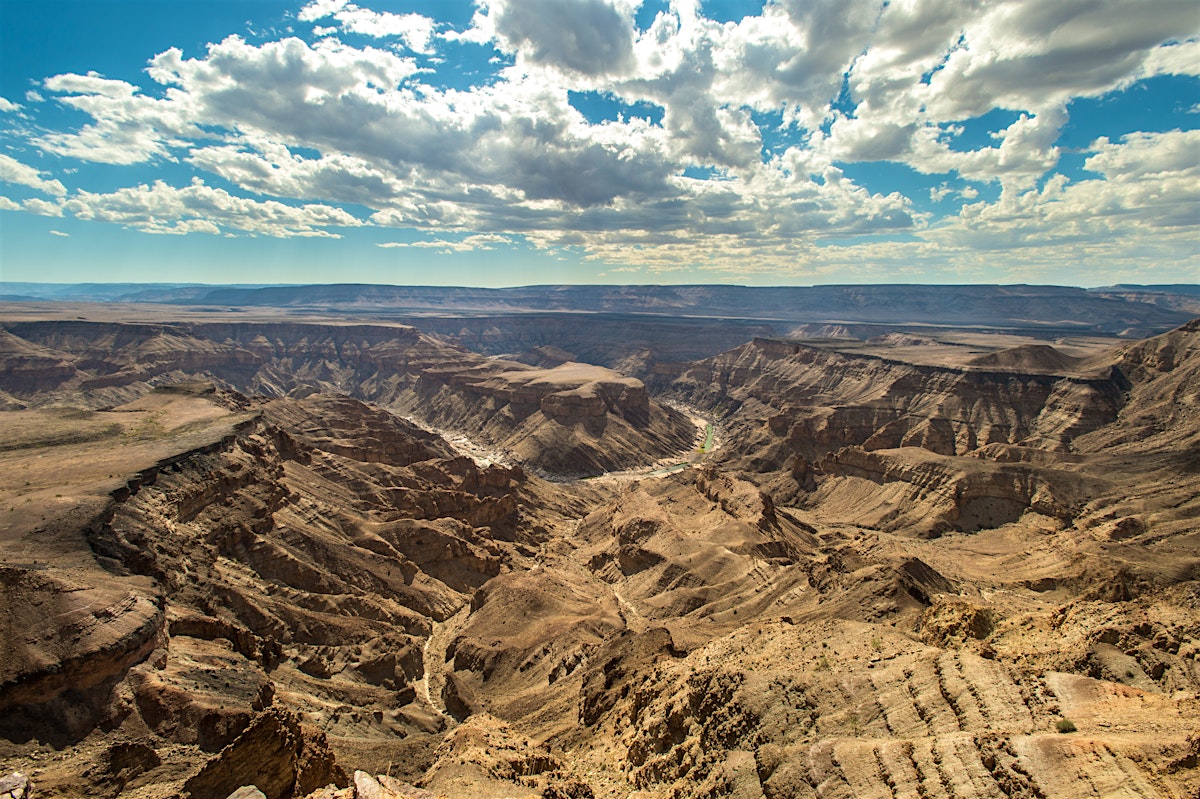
(1129,310)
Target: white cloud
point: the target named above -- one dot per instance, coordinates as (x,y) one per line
(1026,151)
(319,9)
(7,106)
(160,208)
(480,241)
(34,97)
(130,128)
(91,84)
(59,233)
(1182,58)
(107,143)
(13,171)
(910,81)
(516,140)
(930,62)
(415,30)
(1031,55)
(1148,155)
(588,37)
(323,94)
(1148,193)
(42,207)
(270,168)
(794,55)
(7,204)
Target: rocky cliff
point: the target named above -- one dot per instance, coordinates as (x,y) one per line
(293,561)
(819,398)
(573,419)
(633,344)
(811,409)
(892,577)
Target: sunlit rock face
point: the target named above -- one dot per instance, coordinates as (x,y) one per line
(246,555)
(572,419)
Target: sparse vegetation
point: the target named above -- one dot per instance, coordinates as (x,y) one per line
(1065,726)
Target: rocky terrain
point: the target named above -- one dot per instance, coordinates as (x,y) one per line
(997,306)
(253,553)
(571,418)
(640,330)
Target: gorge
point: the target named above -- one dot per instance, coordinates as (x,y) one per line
(295,547)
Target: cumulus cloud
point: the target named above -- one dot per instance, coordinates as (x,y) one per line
(42,207)
(13,171)
(1026,151)
(270,168)
(794,54)
(1147,155)
(198,208)
(521,137)
(931,62)
(244,86)
(1148,188)
(747,161)
(415,30)
(1031,55)
(7,106)
(1182,58)
(130,128)
(589,37)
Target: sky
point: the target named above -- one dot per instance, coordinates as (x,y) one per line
(520,142)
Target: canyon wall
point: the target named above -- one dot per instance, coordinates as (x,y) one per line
(889,578)
(573,419)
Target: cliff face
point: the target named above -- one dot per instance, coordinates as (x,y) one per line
(28,368)
(1164,394)
(632,344)
(571,419)
(296,554)
(888,578)
(574,419)
(830,420)
(820,399)
(69,642)
(915,492)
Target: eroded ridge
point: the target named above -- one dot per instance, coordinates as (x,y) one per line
(894,578)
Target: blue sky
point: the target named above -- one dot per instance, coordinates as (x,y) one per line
(515,142)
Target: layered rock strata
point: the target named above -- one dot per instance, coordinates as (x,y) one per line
(310,587)
(573,419)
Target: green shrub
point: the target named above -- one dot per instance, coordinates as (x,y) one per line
(1065,725)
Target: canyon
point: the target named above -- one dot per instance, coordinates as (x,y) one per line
(328,551)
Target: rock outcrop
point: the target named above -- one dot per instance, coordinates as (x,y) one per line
(276,755)
(845,426)
(892,576)
(572,419)
(282,570)
(915,492)
(817,399)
